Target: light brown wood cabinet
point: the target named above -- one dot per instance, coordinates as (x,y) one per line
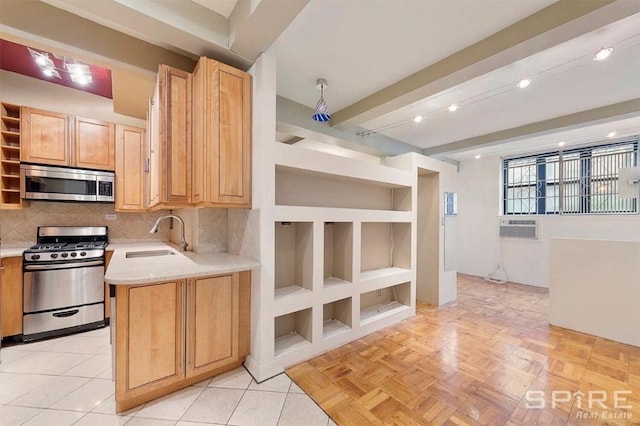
(130,169)
(11,296)
(221,135)
(63,140)
(173,334)
(93,144)
(45,137)
(170,140)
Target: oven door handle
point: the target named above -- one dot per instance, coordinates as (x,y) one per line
(66,313)
(53,266)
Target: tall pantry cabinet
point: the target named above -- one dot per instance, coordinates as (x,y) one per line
(221,135)
(200,138)
(170,140)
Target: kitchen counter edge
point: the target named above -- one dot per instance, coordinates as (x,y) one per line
(182,265)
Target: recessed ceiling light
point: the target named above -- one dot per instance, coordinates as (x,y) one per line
(478,156)
(417,118)
(525,82)
(47,72)
(561,143)
(611,135)
(453,107)
(603,54)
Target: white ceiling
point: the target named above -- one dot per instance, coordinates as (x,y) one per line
(565,80)
(361,47)
(572,138)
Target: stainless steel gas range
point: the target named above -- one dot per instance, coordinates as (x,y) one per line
(63,279)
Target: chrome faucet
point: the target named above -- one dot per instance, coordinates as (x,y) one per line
(183,241)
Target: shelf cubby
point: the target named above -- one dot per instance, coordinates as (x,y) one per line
(10,156)
(336,317)
(292,331)
(384,302)
(293,258)
(385,249)
(298,187)
(338,253)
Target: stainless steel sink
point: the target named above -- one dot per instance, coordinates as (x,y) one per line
(149,253)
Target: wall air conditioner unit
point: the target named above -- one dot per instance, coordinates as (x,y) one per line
(518,228)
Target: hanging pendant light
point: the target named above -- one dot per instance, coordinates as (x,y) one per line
(321,112)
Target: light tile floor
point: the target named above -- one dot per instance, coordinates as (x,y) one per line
(67,381)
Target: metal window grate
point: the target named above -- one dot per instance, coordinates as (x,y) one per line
(578,181)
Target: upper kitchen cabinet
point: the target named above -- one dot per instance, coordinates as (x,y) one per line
(62,140)
(130,168)
(170,140)
(221,135)
(94,144)
(45,137)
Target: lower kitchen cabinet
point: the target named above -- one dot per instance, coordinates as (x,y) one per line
(173,334)
(11,296)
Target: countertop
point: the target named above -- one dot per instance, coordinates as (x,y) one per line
(9,250)
(129,271)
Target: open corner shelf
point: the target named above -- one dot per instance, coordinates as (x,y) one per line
(336,318)
(338,253)
(384,302)
(293,258)
(10,156)
(292,332)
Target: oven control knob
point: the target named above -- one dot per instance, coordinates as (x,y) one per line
(74,254)
(64,254)
(54,255)
(35,257)
(83,253)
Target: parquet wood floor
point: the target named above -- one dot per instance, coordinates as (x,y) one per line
(473,362)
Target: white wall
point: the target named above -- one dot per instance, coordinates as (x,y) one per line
(525,261)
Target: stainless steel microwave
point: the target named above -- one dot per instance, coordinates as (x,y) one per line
(65,184)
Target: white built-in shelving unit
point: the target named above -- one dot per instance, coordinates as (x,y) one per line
(344,233)
(336,236)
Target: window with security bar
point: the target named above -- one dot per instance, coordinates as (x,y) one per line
(575,181)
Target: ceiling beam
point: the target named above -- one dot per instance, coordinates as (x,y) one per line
(555,24)
(619,111)
(45,24)
(294,119)
(255,25)
(186,28)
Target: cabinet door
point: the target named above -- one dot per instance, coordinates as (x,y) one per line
(94,144)
(200,118)
(11,296)
(130,176)
(213,319)
(149,340)
(230,150)
(175,136)
(44,137)
(153,147)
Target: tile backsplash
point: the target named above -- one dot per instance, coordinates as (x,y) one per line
(19,227)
